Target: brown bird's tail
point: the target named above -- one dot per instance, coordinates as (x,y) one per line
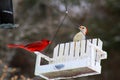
(15,45)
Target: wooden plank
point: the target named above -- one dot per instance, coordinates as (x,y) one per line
(37,64)
(94,42)
(61,53)
(77,50)
(100,43)
(55,54)
(61,50)
(98,55)
(88,48)
(67,50)
(82,50)
(71,55)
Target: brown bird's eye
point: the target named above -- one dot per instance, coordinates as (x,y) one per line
(82,27)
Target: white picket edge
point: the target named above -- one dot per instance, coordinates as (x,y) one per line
(56,52)
(71,54)
(61,50)
(66,52)
(94,42)
(82,50)
(61,53)
(100,43)
(77,49)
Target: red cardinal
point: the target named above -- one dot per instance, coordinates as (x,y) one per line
(35,46)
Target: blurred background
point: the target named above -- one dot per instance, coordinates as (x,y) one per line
(39,19)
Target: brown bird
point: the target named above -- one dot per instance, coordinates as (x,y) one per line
(35,46)
(80,35)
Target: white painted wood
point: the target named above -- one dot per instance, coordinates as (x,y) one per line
(94,57)
(37,64)
(55,54)
(97,55)
(70,66)
(100,43)
(82,50)
(94,41)
(77,49)
(71,54)
(103,55)
(100,51)
(61,53)
(43,56)
(67,54)
(88,47)
(61,50)
(88,51)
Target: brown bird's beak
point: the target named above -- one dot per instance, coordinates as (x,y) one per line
(50,42)
(86,31)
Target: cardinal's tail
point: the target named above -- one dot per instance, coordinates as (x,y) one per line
(15,46)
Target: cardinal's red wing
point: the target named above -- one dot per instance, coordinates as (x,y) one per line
(15,45)
(37,46)
(34,44)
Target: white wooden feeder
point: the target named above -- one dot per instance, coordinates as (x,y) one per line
(71,60)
